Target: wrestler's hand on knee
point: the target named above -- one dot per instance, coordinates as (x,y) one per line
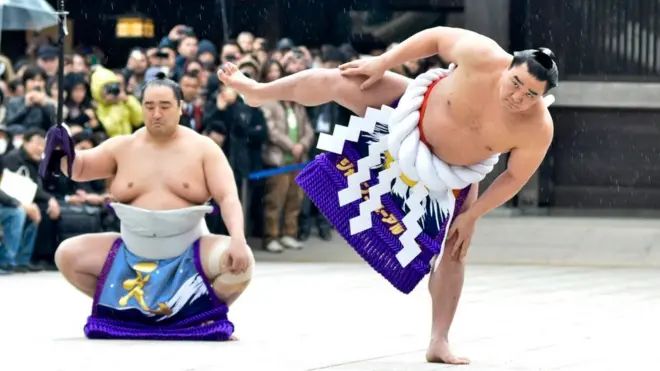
(237,258)
(373,68)
(461,232)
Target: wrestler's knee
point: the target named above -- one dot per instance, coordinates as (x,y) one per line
(447,261)
(214,250)
(65,255)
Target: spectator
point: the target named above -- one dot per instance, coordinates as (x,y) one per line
(230,52)
(249,67)
(16,87)
(136,67)
(187,49)
(118,113)
(27,157)
(259,44)
(18,224)
(162,60)
(78,103)
(245,41)
(217,131)
(34,109)
(271,71)
(296,60)
(6,69)
(47,59)
(207,53)
(193,107)
(52,90)
(229,109)
(81,204)
(79,65)
(176,34)
(290,137)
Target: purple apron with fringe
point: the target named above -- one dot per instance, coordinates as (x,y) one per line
(327,174)
(166,299)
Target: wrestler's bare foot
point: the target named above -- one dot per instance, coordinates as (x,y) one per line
(231,76)
(439,352)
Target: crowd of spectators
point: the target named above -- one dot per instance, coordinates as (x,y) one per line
(100,103)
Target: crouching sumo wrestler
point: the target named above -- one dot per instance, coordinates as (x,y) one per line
(164,276)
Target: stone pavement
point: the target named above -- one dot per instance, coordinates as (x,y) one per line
(344,317)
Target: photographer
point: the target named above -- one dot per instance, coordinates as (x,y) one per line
(118,113)
(34,109)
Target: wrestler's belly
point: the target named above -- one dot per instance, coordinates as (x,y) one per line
(460,131)
(456,147)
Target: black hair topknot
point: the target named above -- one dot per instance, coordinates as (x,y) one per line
(541,63)
(162,80)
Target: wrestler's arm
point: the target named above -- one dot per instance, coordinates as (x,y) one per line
(221,183)
(453,45)
(523,163)
(96,163)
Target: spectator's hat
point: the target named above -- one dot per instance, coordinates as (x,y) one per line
(167,43)
(47,52)
(285,44)
(16,129)
(206,46)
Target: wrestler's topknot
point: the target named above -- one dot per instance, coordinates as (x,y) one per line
(162,80)
(541,63)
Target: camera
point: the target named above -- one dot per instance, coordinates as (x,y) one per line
(247,73)
(298,53)
(112,88)
(187,31)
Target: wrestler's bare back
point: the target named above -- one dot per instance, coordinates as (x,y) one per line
(464,122)
(160,176)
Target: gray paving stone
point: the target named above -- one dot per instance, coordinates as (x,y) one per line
(344,317)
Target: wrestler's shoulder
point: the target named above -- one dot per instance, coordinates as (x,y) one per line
(197,140)
(119,141)
(483,53)
(540,123)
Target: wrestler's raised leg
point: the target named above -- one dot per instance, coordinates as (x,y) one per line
(80,259)
(317,86)
(227,287)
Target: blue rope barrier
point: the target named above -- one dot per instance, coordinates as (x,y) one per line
(272,172)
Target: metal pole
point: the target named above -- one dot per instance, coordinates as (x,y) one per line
(225,23)
(61,15)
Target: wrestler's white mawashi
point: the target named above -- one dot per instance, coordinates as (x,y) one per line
(161,234)
(412,158)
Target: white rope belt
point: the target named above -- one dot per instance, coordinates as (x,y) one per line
(412,159)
